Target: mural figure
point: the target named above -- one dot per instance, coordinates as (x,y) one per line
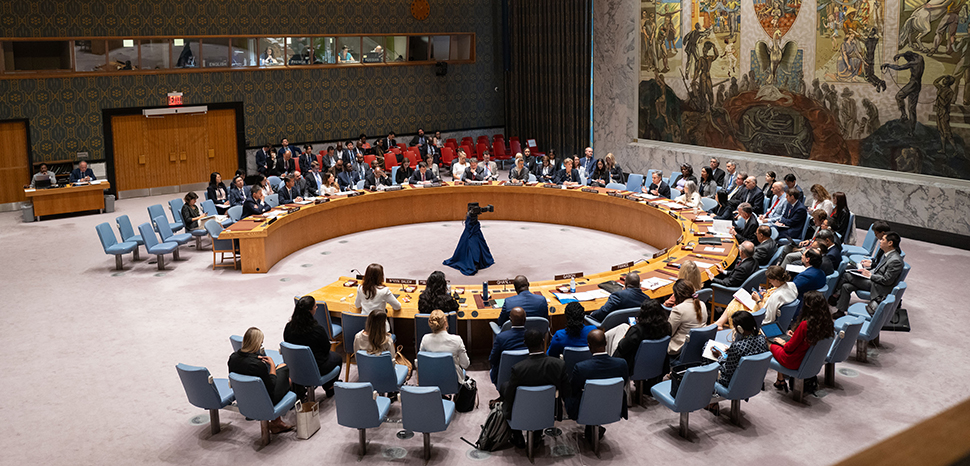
(872,116)
(847,113)
(774,56)
(659,37)
(648,59)
(946,30)
(869,62)
(963,68)
(944,98)
(917,25)
(776,15)
(850,58)
(908,96)
(690,46)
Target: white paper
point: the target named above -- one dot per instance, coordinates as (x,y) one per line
(713,249)
(654,283)
(795,268)
(721,226)
(303,202)
(704,218)
(713,344)
(29,190)
(857,273)
(745,299)
(96,182)
(703,265)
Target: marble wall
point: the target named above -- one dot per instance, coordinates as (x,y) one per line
(916,200)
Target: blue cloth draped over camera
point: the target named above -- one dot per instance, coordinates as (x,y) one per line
(471,254)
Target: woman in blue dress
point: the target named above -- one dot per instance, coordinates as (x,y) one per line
(471,254)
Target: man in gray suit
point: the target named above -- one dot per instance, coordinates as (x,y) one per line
(474,172)
(879,281)
(766,247)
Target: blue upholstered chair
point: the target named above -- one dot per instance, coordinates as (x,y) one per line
(360,184)
(859,309)
(708,204)
(111,245)
(209,208)
(634,183)
(648,363)
(334,331)
(778,252)
(847,330)
(617,317)
(724,294)
(254,402)
(811,364)
(746,382)
(872,326)
(786,313)
(274,182)
(694,346)
(303,368)
(357,408)
(394,174)
(175,206)
(759,316)
(865,295)
(534,409)
(421,327)
(423,410)
(674,193)
(154,247)
(128,232)
(169,237)
(235,213)
(602,404)
(868,247)
(380,371)
(155,211)
(273,200)
(353,324)
(509,359)
(539,324)
(437,370)
(616,186)
(694,393)
(532,178)
(236,342)
(205,392)
(220,246)
(572,355)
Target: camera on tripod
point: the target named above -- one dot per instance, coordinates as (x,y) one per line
(475,209)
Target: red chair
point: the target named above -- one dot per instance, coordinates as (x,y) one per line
(414,156)
(320,159)
(403,147)
(390,161)
(468,150)
(466,141)
(369,158)
(481,147)
(482,139)
(515,148)
(498,136)
(498,151)
(447,156)
(453,145)
(513,138)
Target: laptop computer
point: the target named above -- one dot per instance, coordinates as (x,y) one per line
(773,330)
(42,182)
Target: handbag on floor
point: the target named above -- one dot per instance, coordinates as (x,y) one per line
(403,361)
(677,375)
(467,397)
(307,419)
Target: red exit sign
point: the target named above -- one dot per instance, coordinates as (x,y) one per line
(174,98)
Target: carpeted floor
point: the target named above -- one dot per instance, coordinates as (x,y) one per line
(91,355)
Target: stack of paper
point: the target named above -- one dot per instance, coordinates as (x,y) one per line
(581,296)
(713,249)
(744,298)
(654,283)
(795,268)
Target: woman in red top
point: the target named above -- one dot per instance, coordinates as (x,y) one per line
(815,324)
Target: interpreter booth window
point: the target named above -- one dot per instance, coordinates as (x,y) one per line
(298,51)
(461,47)
(395,49)
(215,52)
(54,55)
(271,51)
(418,48)
(186,53)
(440,48)
(244,52)
(89,55)
(324,50)
(348,50)
(373,49)
(155,54)
(122,55)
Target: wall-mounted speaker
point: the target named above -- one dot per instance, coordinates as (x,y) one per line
(440,68)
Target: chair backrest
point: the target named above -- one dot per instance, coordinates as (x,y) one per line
(532,178)
(369,158)
(884,311)
(509,359)
(323,318)
(175,205)
(696,340)
(602,402)
(649,361)
(214,228)
(360,184)
(437,370)
(107,236)
(251,397)
(749,376)
(447,155)
(534,408)
(164,228)
(394,170)
(378,369)
(199,388)
(634,182)
(209,207)
(390,161)
(574,354)
(704,296)
(515,146)
(905,272)
(814,359)
(302,364)
(155,211)
(696,388)
(236,342)
(759,316)
(830,281)
(869,243)
(674,193)
(617,317)
(708,203)
(124,227)
(498,148)
(422,409)
(148,236)
(356,406)
(757,278)
(539,324)
(786,313)
(616,186)
(808,220)
(847,330)
(481,147)
(352,324)
(273,200)
(274,182)
(235,212)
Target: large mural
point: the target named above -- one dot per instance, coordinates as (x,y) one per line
(891,99)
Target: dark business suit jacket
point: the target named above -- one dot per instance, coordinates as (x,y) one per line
(478,175)
(537,370)
(416,177)
(293,151)
(623,299)
(588,163)
(663,189)
(287,195)
(747,233)
(423,141)
(812,279)
(718,176)
(885,276)
(741,272)
(511,339)
(305,159)
(600,366)
(794,218)
(236,196)
(283,166)
(372,181)
(76,175)
(563,177)
(251,207)
(764,251)
(347,180)
(533,304)
(755,198)
(518,175)
(261,158)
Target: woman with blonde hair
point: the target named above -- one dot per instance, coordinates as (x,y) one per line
(821,199)
(688,312)
(782,292)
(251,360)
(691,197)
(458,167)
(690,273)
(440,341)
(614,170)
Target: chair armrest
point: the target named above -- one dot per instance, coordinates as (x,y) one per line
(593,322)
(495,328)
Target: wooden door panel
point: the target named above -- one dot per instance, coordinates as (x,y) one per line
(128,137)
(162,139)
(14,166)
(222,141)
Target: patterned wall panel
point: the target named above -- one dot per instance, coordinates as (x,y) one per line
(301,104)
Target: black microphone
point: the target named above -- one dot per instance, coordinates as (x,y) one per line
(359,276)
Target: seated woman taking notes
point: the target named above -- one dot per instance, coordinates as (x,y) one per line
(190,212)
(782,292)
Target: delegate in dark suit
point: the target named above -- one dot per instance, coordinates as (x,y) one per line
(794,218)
(741,272)
(509,340)
(418,177)
(812,279)
(252,207)
(288,195)
(622,299)
(347,180)
(477,175)
(533,304)
(373,181)
(305,159)
(885,276)
(236,196)
(562,176)
(747,233)
(537,370)
(755,198)
(718,176)
(78,175)
(519,175)
(261,158)
(663,189)
(285,166)
(764,251)
(600,366)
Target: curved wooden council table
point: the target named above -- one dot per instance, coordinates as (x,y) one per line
(262,245)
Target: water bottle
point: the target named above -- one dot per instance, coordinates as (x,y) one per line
(485,291)
(572,285)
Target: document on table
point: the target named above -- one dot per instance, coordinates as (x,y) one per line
(96,182)
(654,283)
(712,249)
(795,268)
(704,218)
(744,298)
(581,296)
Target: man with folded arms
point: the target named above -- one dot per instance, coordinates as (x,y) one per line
(474,172)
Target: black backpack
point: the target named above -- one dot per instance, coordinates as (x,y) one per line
(495,432)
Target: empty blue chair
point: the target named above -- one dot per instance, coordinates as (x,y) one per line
(617,317)
(694,346)
(155,211)
(616,186)
(602,404)
(746,382)
(360,184)
(872,326)
(167,236)
(539,324)
(421,327)
(275,182)
(423,410)
(869,245)
(861,309)
(674,193)
(708,204)
(128,233)
(358,408)
(235,213)
(304,369)
(111,245)
(694,393)
(322,316)
(634,182)
(437,370)
(534,409)
(811,364)
(205,392)
(532,178)
(273,200)
(574,354)
(829,286)
(786,313)
(394,174)
(236,342)
(220,246)
(154,247)
(759,316)
(847,330)
(175,206)
(509,359)
(254,402)
(381,372)
(648,363)
(209,208)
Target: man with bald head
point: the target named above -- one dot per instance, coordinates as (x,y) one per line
(777,205)
(630,296)
(511,339)
(600,366)
(534,305)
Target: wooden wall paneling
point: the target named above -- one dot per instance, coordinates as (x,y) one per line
(222,140)
(14,166)
(129,139)
(193,157)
